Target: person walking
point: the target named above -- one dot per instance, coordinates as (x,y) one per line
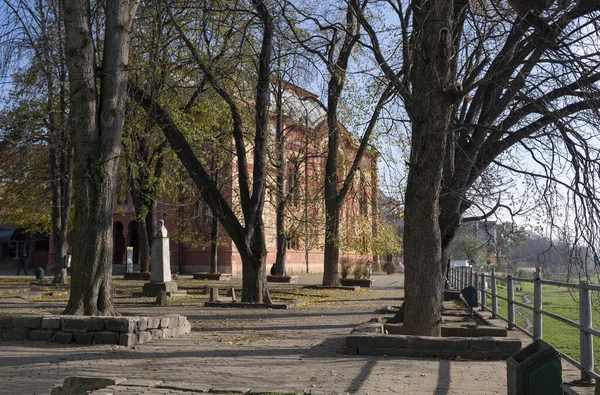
(22,262)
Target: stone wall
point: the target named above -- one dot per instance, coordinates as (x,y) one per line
(368,339)
(125,331)
(482,348)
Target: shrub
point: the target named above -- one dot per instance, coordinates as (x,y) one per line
(361,268)
(389,267)
(345,266)
(376,268)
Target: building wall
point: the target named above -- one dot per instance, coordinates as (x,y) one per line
(188,224)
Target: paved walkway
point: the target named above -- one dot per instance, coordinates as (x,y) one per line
(264,350)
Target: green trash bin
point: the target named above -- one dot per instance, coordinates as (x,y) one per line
(470,295)
(535,370)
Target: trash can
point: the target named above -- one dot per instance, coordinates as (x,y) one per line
(535,370)
(470,295)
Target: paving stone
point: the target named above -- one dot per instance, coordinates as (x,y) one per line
(390,341)
(141,383)
(512,345)
(183,386)
(219,390)
(105,337)
(156,334)
(51,322)
(482,344)
(165,322)
(16,333)
(73,324)
(128,339)
(7,321)
(166,333)
(41,334)
(359,341)
(28,322)
(144,337)
(81,385)
(153,322)
(63,337)
(490,331)
(175,331)
(455,344)
(84,337)
(95,324)
(142,324)
(120,324)
(424,343)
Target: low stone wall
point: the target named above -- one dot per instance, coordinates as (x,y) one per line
(433,347)
(368,340)
(125,331)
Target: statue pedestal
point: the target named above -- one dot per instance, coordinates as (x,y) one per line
(160,273)
(157,287)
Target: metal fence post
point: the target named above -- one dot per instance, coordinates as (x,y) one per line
(586,340)
(460,278)
(511,297)
(494,295)
(475,277)
(470,276)
(537,305)
(483,294)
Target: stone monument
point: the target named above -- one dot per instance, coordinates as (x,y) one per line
(160,270)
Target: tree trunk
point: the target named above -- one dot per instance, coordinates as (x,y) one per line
(61,173)
(280,186)
(97,148)
(254,268)
(280,269)
(332,206)
(139,197)
(214,244)
(59,229)
(65,167)
(432,109)
(145,248)
(331,275)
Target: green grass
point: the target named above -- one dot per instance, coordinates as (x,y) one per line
(560,301)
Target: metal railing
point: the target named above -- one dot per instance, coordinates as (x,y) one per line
(461,277)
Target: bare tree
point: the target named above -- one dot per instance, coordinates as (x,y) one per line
(248,237)
(333,46)
(484,84)
(40,34)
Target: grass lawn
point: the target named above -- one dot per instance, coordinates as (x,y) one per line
(559,301)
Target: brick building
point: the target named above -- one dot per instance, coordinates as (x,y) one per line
(189,222)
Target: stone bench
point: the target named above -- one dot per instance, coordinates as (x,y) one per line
(63,329)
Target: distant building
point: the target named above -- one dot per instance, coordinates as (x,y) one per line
(306,145)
